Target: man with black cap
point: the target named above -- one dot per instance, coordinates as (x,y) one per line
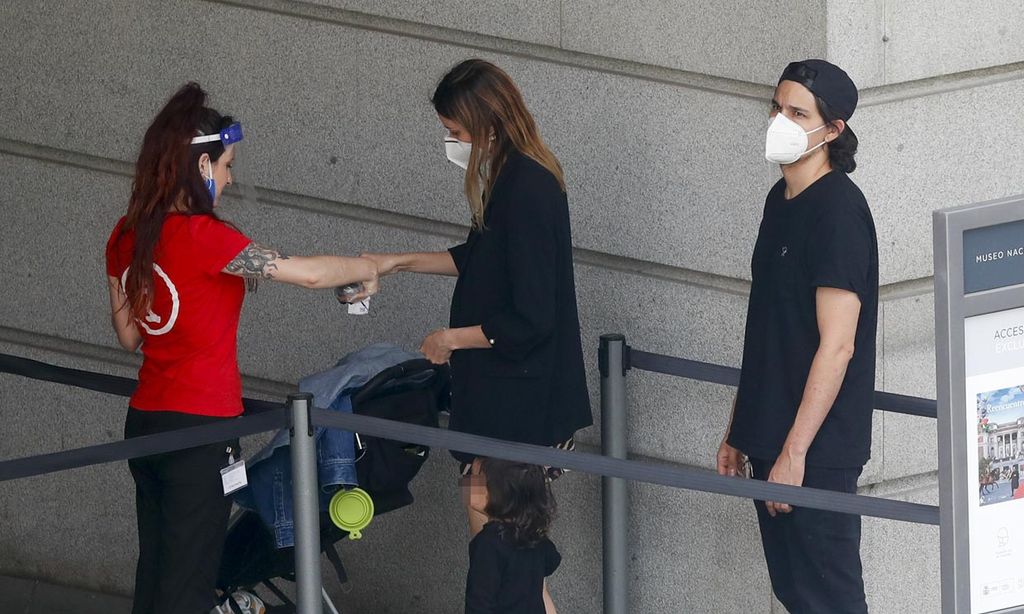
(802,413)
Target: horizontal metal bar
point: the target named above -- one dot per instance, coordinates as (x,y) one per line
(730,376)
(676,477)
(135,447)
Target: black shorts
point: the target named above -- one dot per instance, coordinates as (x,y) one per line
(553,473)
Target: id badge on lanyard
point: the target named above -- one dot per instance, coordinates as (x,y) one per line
(233,476)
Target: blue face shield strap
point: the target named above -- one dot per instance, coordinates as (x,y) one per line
(228,136)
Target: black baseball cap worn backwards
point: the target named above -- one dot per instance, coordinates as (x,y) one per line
(826,81)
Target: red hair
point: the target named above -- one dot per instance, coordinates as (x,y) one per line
(167,177)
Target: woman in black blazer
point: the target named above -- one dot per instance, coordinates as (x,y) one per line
(513,340)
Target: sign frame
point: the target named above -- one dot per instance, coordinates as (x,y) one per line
(952,308)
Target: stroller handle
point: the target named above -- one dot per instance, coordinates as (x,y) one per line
(392,373)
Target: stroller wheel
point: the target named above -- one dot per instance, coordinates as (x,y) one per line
(241,602)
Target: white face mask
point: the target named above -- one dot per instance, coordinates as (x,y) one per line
(457,151)
(786,141)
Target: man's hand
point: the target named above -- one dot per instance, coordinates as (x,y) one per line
(730,461)
(788,469)
(437,347)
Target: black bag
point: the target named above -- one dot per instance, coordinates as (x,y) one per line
(413,392)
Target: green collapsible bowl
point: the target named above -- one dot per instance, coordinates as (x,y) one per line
(352,511)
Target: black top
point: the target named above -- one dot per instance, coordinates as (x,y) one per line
(824,237)
(516,280)
(505,579)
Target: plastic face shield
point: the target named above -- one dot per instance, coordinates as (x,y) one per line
(228,136)
(243,191)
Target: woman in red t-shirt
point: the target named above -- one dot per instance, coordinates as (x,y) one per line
(177,275)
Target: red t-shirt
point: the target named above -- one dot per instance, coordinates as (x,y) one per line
(189,347)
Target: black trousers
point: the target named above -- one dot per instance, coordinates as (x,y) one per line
(813,556)
(182,515)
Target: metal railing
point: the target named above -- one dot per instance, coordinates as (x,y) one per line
(615,360)
(299,415)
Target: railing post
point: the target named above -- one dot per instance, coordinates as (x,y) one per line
(308,583)
(613,363)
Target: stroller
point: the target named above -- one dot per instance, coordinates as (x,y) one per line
(413,392)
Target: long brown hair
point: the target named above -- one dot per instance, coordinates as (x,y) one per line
(483,98)
(167,176)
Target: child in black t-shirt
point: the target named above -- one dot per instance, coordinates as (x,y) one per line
(510,557)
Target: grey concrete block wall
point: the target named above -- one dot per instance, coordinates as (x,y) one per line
(534,21)
(732,39)
(894,42)
(657,111)
(905,144)
(855,29)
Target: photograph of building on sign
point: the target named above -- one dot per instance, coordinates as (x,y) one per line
(1000,449)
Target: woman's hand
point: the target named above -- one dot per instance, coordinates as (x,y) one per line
(121,318)
(386,264)
(366,271)
(437,347)
(371,283)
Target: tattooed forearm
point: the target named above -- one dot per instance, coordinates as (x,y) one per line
(256,261)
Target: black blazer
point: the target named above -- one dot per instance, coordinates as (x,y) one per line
(516,280)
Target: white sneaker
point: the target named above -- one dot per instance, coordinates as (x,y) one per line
(246,601)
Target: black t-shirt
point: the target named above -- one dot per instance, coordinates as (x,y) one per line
(824,237)
(507,579)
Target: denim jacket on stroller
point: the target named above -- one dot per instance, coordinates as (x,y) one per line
(269,471)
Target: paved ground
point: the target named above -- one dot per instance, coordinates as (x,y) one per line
(18,596)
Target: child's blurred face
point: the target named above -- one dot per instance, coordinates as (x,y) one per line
(474,488)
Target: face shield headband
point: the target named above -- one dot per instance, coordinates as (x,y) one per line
(228,136)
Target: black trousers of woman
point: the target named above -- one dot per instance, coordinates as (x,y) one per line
(182,516)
